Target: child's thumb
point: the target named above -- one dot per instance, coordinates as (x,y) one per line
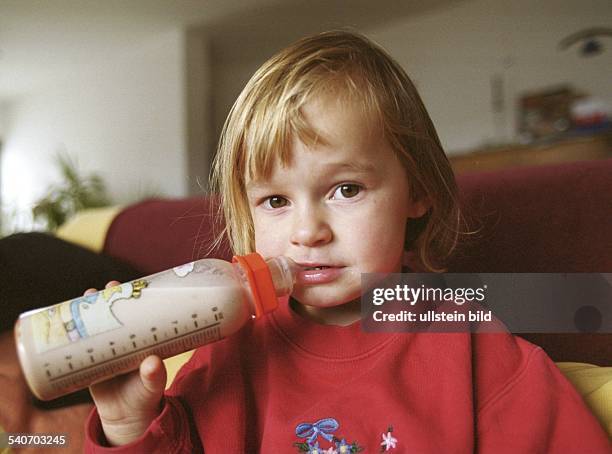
(153,375)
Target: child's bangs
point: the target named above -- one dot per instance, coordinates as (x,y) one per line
(263,147)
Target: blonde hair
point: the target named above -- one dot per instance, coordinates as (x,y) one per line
(267,113)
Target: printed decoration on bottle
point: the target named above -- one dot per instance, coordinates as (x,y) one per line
(199,267)
(183,270)
(81,317)
(323,428)
(388,441)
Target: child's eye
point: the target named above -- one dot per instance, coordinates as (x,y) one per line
(275,201)
(347,191)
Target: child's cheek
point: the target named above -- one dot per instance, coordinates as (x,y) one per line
(269,239)
(381,243)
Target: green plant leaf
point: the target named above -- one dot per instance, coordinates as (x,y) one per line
(73,194)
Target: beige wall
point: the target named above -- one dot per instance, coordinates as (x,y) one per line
(3,120)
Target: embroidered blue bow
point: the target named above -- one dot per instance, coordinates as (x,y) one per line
(322,427)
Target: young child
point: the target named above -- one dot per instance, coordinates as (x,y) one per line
(329,157)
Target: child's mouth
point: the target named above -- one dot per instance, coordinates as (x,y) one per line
(320,274)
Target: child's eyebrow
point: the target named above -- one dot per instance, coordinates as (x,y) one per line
(355,166)
(332,168)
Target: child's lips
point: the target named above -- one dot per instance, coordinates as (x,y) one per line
(318,274)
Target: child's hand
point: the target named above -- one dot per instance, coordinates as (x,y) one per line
(127,404)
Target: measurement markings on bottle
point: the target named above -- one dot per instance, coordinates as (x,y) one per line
(120,360)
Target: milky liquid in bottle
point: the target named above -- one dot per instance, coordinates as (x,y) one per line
(71,345)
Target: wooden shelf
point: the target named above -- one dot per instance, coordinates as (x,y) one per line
(574,149)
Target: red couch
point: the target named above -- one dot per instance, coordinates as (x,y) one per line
(530,219)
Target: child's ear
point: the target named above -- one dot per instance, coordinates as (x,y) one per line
(418,208)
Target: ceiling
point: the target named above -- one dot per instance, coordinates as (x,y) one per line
(42,41)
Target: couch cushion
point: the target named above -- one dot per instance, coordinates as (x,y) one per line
(158,234)
(88,228)
(549,219)
(595,386)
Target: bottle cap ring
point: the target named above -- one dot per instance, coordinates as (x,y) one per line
(260,281)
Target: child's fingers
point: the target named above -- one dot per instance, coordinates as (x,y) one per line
(108,285)
(153,375)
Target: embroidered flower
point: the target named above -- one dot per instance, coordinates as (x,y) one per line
(343,447)
(330,451)
(389,441)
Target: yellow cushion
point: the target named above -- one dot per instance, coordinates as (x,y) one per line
(88,228)
(4,439)
(594,384)
(173,365)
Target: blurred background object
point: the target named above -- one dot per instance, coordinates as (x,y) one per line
(73,194)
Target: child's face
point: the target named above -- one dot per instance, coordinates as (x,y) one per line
(343,205)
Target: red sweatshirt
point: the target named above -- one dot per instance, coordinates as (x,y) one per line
(287,385)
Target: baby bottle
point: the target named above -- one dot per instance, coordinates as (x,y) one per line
(70,345)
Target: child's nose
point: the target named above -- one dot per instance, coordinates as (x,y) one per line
(310,228)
